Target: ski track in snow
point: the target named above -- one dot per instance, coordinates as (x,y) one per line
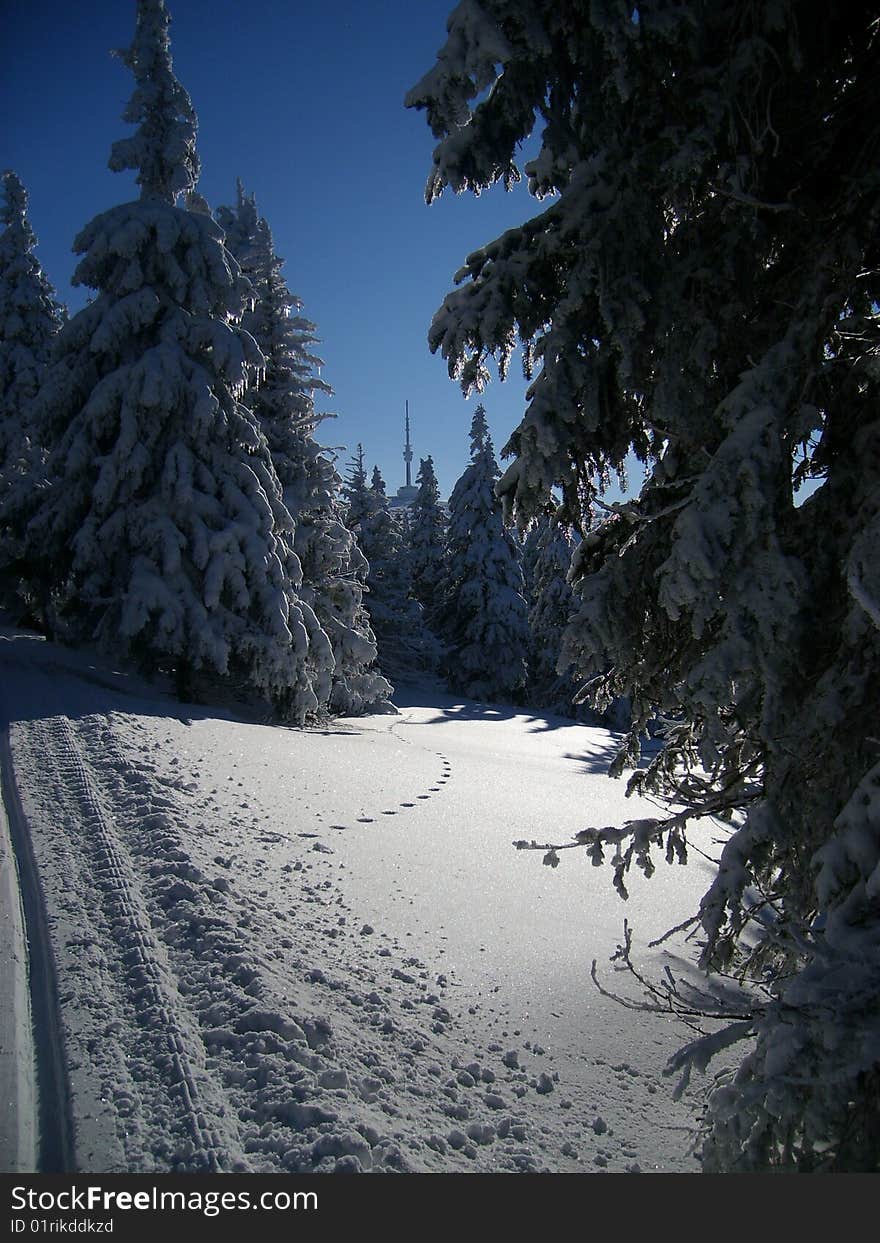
(152,995)
(230,997)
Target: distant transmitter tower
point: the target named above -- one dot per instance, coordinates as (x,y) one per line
(408,493)
(407,451)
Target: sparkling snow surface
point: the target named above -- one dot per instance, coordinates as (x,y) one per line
(285,949)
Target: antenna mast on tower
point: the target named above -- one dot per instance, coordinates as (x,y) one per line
(407,452)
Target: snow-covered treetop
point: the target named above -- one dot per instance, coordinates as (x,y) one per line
(24,287)
(292,376)
(482,614)
(241,224)
(163,150)
(427,517)
(429,489)
(473,500)
(29,314)
(13,211)
(357,471)
(481,441)
(360,499)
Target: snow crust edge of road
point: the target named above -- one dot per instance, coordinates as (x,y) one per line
(18,1088)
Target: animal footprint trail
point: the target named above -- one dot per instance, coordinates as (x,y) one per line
(411,803)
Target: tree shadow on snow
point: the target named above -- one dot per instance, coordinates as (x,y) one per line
(431,692)
(40,679)
(603,748)
(600,755)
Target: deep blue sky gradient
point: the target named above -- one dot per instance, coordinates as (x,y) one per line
(304,101)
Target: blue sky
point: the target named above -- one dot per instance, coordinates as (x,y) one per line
(304,101)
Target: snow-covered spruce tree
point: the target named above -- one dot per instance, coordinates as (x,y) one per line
(403,642)
(482,615)
(548,548)
(702,286)
(360,498)
(342,648)
(30,318)
(358,684)
(163,532)
(427,538)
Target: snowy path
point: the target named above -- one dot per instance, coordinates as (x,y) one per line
(282,949)
(18,1088)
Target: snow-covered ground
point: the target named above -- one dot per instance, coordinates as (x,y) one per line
(283,949)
